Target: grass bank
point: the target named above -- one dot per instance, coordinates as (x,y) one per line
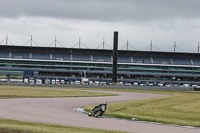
(27,91)
(44,92)
(31,127)
(181,108)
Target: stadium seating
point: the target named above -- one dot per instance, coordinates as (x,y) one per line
(98,57)
(141,60)
(196,62)
(14,68)
(124,72)
(143,73)
(104,72)
(79,71)
(43,69)
(183,75)
(40,56)
(4,54)
(57,56)
(101,58)
(161,60)
(81,57)
(163,74)
(124,59)
(197,75)
(97,63)
(181,61)
(20,55)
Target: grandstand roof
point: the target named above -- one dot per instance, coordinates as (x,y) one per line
(92,51)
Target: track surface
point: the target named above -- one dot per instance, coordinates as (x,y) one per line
(60,111)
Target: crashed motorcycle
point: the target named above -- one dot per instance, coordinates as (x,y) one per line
(98,110)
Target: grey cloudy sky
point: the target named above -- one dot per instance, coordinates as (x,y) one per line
(139,21)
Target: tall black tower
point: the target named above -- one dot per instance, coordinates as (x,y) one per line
(115,54)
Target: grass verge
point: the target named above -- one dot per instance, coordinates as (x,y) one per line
(27,91)
(181,108)
(31,127)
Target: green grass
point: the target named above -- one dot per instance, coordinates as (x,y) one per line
(181,108)
(31,127)
(27,91)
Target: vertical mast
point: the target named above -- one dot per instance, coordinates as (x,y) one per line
(103,43)
(174,46)
(151,46)
(79,42)
(6,39)
(55,41)
(127,44)
(31,41)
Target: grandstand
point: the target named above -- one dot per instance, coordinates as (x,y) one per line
(96,64)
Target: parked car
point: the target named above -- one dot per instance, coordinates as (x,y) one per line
(77,82)
(121,83)
(127,84)
(160,84)
(150,84)
(96,82)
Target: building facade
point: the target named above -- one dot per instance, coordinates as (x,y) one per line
(97,63)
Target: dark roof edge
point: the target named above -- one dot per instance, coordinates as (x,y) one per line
(121,51)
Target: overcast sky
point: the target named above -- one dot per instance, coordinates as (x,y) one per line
(139,21)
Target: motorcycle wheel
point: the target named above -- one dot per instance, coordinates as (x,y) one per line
(89,114)
(97,113)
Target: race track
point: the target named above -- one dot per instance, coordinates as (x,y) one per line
(60,111)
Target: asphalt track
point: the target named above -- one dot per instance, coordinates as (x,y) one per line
(60,111)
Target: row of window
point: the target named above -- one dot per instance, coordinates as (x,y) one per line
(100,67)
(82,64)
